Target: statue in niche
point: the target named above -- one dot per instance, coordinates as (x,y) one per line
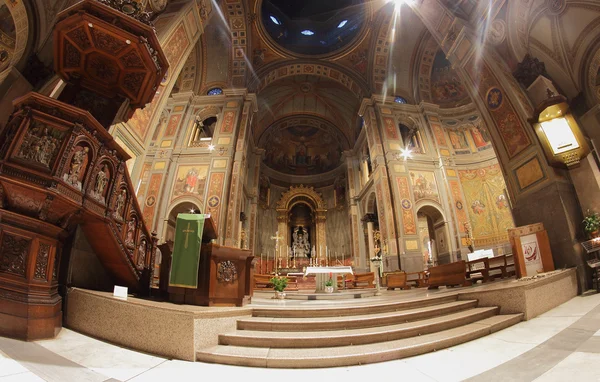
(141,259)
(129,236)
(100,184)
(120,204)
(78,163)
(301,244)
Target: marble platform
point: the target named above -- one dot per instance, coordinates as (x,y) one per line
(180,331)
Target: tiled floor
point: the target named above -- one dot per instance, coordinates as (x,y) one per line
(560,345)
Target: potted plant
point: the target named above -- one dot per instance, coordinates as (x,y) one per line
(329,285)
(591,224)
(279,285)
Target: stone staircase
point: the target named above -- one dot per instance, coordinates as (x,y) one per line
(353,335)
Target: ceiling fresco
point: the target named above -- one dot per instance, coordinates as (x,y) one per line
(8,36)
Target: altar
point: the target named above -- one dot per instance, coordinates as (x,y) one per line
(323,274)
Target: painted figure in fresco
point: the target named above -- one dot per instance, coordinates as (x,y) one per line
(478,207)
(191,178)
(301,154)
(501,202)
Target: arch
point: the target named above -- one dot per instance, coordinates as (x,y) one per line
(304,194)
(180,205)
(371,203)
(283,69)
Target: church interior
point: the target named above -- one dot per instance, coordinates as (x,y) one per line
(421,175)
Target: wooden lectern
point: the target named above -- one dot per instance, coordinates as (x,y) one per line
(224,274)
(531,250)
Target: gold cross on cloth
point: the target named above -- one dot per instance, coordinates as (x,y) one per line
(187,234)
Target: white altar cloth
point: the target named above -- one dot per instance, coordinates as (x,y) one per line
(322,274)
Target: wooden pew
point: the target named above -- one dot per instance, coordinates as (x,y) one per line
(364,280)
(349,281)
(417,279)
(448,274)
(478,269)
(292,283)
(262,281)
(396,280)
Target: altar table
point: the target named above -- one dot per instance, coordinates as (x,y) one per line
(323,273)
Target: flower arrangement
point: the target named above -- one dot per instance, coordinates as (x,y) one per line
(329,282)
(279,283)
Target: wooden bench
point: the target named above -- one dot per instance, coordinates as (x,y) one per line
(364,280)
(396,280)
(417,279)
(449,275)
(349,281)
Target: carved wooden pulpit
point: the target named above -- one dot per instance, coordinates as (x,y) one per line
(224,274)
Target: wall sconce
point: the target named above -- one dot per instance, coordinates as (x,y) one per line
(559,133)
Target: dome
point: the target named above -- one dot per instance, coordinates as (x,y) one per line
(313,27)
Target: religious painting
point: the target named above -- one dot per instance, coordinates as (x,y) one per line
(302,150)
(459,142)
(489,211)
(424,185)
(439,134)
(446,87)
(214,195)
(190,180)
(390,128)
(481,137)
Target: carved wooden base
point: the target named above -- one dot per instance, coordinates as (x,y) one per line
(30,306)
(29,319)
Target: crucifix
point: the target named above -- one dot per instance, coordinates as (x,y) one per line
(187,232)
(277,239)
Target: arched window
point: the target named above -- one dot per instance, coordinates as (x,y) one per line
(215,91)
(399,99)
(411,137)
(203,130)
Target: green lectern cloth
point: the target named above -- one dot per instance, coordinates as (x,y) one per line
(186,251)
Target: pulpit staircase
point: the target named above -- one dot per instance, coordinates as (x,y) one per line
(301,337)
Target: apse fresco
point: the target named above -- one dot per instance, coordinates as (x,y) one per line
(446,86)
(424,185)
(486,202)
(302,150)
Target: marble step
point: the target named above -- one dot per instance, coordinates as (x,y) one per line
(352,322)
(355,354)
(349,337)
(303,311)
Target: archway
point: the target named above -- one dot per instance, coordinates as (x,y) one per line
(300,206)
(371,230)
(433,238)
(185,207)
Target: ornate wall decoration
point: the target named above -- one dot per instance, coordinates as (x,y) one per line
(153,191)
(408,217)
(214,194)
(228,121)
(173,125)
(391,130)
(530,173)
(41,262)
(226,272)
(13,254)
(438,132)
(510,127)
(497,32)
(190,180)
(458,204)
(489,212)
